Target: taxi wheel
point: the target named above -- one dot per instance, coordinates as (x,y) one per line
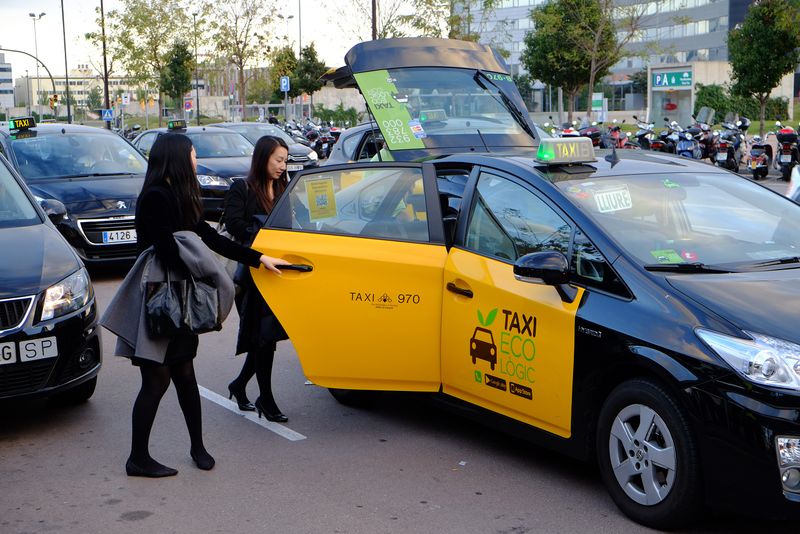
(647,455)
(355,398)
(78,394)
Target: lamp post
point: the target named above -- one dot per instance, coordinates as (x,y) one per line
(287,18)
(196,67)
(36,49)
(66,70)
(28,90)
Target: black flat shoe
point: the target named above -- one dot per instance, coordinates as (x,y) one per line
(156,471)
(203,460)
(275,417)
(241,398)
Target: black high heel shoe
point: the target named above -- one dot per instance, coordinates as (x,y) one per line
(241,398)
(275,417)
(203,460)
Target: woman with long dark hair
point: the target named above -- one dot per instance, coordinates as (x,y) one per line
(247,204)
(170,202)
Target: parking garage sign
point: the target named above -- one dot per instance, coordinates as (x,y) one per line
(673,79)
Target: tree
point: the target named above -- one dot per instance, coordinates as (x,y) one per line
(359,14)
(94,100)
(284,63)
(545,55)
(524,83)
(176,78)
(240,34)
(770,23)
(308,73)
(139,36)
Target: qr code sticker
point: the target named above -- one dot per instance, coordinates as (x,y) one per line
(322,201)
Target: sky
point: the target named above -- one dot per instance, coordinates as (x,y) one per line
(321,25)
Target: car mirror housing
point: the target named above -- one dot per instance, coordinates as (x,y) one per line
(549,268)
(55,210)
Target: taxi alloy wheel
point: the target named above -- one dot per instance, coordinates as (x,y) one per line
(647,455)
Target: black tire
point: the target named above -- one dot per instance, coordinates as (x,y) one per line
(79,394)
(786,171)
(355,398)
(675,496)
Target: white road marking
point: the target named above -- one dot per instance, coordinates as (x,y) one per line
(281,430)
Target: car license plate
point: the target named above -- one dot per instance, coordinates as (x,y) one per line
(786,158)
(119,236)
(722,156)
(293,168)
(28,350)
(324,146)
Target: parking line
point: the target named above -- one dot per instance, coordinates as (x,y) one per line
(281,430)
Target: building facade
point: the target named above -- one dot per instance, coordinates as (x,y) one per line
(6,84)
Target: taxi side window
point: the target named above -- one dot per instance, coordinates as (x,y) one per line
(509,221)
(384,203)
(146,143)
(372,144)
(589,268)
(349,146)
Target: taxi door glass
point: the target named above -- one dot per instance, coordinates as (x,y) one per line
(368,315)
(507,345)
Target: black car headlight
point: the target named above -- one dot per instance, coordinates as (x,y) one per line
(208,179)
(70,294)
(763,359)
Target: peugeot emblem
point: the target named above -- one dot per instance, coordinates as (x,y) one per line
(121,205)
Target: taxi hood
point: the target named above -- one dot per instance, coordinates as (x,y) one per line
(224,167)
(41,258)
(440,96)
(765,302)
(90,189)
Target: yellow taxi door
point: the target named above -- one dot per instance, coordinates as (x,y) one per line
(368,313)
(507,344)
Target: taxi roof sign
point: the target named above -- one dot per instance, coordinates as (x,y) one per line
(177,124)
(560,150)
(21,123)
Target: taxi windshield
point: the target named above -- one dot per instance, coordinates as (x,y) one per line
(72,154)
(254,132)
(431,107)
(701,219)
(15,207)
(210,144)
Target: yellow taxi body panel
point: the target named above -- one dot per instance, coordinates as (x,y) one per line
(368,316)
(509,348)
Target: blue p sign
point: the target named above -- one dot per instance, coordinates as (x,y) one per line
(285,84)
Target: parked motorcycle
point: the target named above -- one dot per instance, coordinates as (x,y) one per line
(688,145)
(787,156)
(593,132)
(760,156)
(667,138)
(645,136)
(701,131)
(732,142)
(616,138)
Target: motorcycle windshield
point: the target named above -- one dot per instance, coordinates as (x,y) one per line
(705,115)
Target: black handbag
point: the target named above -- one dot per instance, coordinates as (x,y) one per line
(181,306)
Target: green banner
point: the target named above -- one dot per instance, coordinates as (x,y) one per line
(399,129)
(673,79)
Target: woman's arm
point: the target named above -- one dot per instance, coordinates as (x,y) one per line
(230,249)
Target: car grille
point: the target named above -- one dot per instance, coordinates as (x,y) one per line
(92,229)
(21,378)
(298,159)
(13,312)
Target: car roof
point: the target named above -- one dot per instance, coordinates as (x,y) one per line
(192,129)
(50,128)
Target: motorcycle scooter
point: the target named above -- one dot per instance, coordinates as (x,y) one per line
(760,156)
(787,156)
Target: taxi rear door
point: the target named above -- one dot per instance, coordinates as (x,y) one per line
(507,344)
(368,313)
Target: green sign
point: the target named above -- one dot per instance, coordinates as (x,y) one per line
(673,79)
(399,129)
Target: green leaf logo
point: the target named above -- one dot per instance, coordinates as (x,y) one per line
(480,318)
(490,318)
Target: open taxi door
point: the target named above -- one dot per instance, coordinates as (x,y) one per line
(363,310)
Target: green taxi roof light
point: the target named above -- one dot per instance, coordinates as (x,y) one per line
(177,124)
(21,123)
(565,150)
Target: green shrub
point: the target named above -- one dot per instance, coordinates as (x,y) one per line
(720,99)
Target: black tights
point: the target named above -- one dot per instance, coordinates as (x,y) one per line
(155,381)
(259,363)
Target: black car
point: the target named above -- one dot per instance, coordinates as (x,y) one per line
(301,157)
(222,156)
(49,341)
(97,175)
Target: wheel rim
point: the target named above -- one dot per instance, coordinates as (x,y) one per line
(642,453)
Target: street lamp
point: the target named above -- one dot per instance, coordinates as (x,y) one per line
(287,18)
(196,67)
(36,49)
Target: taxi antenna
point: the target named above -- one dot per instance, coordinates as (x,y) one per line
(483,140)
(612,158)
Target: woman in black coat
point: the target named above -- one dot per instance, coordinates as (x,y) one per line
(246,206)
(169,202)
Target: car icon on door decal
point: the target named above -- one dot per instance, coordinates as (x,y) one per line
(482,346)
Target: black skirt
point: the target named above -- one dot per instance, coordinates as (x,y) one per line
(182,348)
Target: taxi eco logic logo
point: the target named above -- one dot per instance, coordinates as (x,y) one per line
(517,349)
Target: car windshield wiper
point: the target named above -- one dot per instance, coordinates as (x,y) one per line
(779,261)
(512,108)
(89,174)
(694,267)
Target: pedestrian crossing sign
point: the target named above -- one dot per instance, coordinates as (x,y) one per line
(107,114)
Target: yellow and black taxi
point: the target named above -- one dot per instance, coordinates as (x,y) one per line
(96,174)
(49,341)
(222,156)
(633,309)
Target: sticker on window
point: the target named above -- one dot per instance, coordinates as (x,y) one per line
(667,256)
(321,200)
(417,129)
(613,200)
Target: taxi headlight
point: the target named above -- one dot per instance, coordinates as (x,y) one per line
(763,360)
(207,179)
(313,156)
(68,295)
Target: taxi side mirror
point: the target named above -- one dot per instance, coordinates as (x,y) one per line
(549,268)
(55,210)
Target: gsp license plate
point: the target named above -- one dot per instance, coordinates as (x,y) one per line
(293,168)
(119,236)
(28,351)
(786,158)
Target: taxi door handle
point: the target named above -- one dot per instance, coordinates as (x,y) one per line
(296,267)
(457,290)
